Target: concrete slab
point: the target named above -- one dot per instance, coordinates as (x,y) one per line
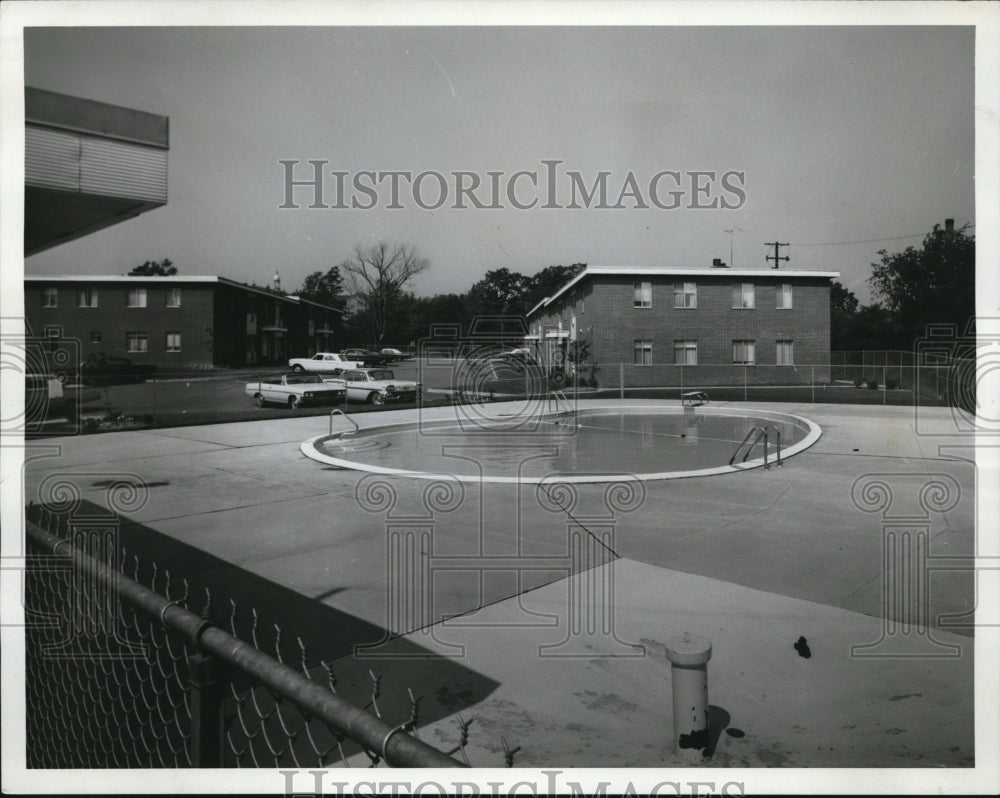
(766,553)
(830,710)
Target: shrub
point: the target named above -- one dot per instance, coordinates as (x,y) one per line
(873,385)
(859,383)
(891,385)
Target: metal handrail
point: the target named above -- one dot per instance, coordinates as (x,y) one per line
(337,411)
(755,431)
(777,435)
(560,400)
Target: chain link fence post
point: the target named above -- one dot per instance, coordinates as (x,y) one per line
(207,678)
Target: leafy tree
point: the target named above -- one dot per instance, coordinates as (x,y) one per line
(933,284)
(549,280)
(377,276)
(152,268)
(326,288)
(843,307)
(500,292)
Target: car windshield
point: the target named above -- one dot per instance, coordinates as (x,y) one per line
(301,379)
(381,374)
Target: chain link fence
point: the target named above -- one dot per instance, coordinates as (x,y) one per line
(126,669)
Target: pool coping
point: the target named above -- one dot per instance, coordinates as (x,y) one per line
(309,448)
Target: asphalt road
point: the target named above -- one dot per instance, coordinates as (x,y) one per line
(221,396)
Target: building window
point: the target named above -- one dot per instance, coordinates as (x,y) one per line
(50,297)
(785,353)
(173,297)
(136,298)
(136,342)
(643,295)
(685,295)
(95,336)
(173,342)
(643,352)
(86,298)
(685,353)
(742,295)
(785,296)
(743,354)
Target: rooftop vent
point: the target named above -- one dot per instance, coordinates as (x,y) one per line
(718,264)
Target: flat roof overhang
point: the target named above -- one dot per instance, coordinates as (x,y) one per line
(88,165)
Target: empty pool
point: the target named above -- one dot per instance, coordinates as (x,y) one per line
(586,445)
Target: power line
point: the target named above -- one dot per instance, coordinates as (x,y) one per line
(866,241)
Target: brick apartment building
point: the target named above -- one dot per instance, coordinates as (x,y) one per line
(714,326)
(178,321)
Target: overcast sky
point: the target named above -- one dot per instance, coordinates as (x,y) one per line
(843,134)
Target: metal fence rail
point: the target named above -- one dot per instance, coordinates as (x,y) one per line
(123,676)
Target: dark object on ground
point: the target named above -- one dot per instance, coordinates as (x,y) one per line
(803,648)
(737,733)
(114,371)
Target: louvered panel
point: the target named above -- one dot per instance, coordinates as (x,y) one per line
(52,159)
(118,169)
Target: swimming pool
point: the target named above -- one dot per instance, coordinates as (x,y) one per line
(601,444)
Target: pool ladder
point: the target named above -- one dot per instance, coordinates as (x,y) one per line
(558,400)
(753,438)
(338,412)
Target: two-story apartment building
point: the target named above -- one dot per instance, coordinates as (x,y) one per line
(707,326)
(177,321)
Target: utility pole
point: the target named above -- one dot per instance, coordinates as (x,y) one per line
(774,257)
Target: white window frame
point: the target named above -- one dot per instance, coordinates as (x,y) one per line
(166,340)
(642,294)
(740,293)
(749,352)
(136,297)
(684,292)
(50,294)
(86,297)
(641,347)
(784,298)
(788,344)
(173,292)
(685,352)
(136,336)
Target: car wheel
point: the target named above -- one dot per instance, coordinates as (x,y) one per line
(259,400)
(297,367)
(376,399)
(293,402)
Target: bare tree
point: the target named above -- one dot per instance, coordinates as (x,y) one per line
(377,276)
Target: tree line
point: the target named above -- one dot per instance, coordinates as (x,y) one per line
(376,280)
(934,284)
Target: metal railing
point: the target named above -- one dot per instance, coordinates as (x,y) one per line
(557,402)
(338,412)
(753,437)
(120,675)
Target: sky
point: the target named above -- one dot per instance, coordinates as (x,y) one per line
(840,135)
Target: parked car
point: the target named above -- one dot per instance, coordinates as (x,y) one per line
(378,386)
(394,354)
(366,357)
(521,355)
(329,362)
(98,370)
(294,389)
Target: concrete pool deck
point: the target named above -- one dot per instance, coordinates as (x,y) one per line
(752,561)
